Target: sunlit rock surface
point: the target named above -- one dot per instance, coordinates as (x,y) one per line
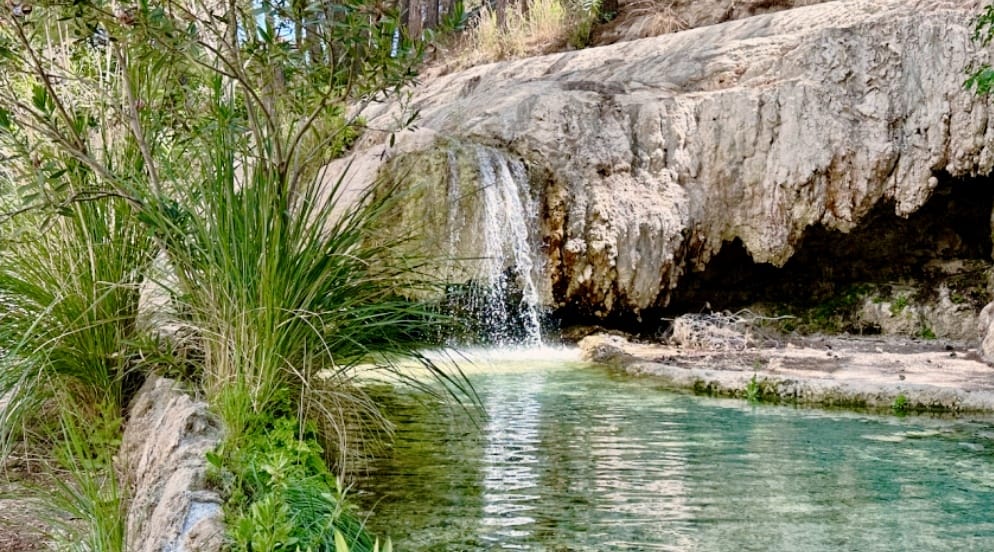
(645,157)
(164,460)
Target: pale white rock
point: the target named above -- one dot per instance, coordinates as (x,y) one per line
(164,461)
(643,18)
(985,327)
(901,314)
(646,156)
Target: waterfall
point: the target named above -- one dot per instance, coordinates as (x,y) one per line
(505,297)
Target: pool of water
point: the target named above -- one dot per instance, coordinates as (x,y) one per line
(573,457)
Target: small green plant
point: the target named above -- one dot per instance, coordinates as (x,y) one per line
(981,77)
(83,504)
(898,305)
(282,496)
(927,333)
(900,404)
(586,14)
(831,315)
(341,545)
(753,392)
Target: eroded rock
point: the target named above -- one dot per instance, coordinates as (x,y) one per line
(163,456)
(647,157)
(985,327)
(645,18)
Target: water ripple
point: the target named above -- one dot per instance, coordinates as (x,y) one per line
(575,459)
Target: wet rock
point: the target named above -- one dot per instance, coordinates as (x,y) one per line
(163,457)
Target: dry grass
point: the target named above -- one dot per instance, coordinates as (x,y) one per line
(711,332)
(543,27)
(652,18)
(722,331)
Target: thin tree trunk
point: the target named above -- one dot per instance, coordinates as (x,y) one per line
(501,9)
(414,18)
(431,14)
(404,12)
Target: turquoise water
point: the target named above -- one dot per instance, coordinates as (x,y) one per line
(572,457)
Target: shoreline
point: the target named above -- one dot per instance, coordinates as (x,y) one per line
(900,375)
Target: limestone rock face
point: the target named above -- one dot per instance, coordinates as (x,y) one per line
(985,327)
(643,18)
(645,157)
(163,456)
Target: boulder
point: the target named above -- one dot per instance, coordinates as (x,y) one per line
(644,18)
(985,328)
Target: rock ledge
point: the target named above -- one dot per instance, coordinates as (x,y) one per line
(839,371)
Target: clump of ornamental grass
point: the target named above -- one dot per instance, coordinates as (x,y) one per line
(70,284)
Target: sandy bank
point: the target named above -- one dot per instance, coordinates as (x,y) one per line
(855,372)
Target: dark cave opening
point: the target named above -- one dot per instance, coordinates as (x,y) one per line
(947,240)
(953,227)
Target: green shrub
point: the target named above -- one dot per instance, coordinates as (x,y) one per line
(753,392)
(204,140)
(283,498)
(900,404)
(71,286)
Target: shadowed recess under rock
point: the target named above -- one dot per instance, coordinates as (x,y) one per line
(946,242)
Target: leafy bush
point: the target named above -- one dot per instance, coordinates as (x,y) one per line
(981,78)
(900,404)
(282,495)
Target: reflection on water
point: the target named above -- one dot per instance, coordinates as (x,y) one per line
(574,458)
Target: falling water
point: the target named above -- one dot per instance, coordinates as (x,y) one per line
(505,297)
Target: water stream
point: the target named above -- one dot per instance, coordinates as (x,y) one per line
(506,296)
(573,457)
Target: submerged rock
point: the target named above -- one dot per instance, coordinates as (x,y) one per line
(647,157)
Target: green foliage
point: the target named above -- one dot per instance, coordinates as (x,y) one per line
(162,129)
(586,14)
(981,78)
(898,305)
(455,20)
(753,393)
(927,333)
(282,497)
(89,445)
(828,316)
(341,545)
(900,404)
(83,504)
(70,282)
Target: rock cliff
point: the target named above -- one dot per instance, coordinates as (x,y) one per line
(646,158)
